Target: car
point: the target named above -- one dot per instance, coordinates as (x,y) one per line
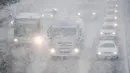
(112,6)
(88,15)
(110,18)
(111,11)
(107,49)
(49,13)
(108,31)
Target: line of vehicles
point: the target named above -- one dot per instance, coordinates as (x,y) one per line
(66,35)
(107,47)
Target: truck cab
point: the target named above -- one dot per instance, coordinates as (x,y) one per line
(27,29)
(65,40)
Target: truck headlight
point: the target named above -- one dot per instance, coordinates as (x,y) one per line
(99,53)
(76,50)
(42,15)
(114,33)
(37,40)
(115,25)
(12,22)
(101,33)
(55,9)
(52,50)
(79,14)
(93,13)
(15,40)
(115,53)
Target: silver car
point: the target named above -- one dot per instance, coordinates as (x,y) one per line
(107,49)
(110,18)
(49,13)
(111,11)
(108,31)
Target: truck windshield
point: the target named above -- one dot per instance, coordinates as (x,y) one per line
(25,28)
(64,31)
(108,45)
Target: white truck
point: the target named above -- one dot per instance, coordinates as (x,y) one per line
(27,29)
(66,40)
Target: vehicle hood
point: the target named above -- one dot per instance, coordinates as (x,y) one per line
(64,42)
(107,49)
(108,30)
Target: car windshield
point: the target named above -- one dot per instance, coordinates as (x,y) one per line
(64,31)
(110,12)
(108,27)
(26,27)
(111,19)
(108,45)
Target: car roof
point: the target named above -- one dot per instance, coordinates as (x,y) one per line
(108,15)
(64,25)
(28,16)
(105,49)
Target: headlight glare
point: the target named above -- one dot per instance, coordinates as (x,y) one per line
(15,40)
(94,13)
(76,50)
(113,33)
(101,33)
(115,53)
(52,50)
(116,10)
(115,24)
(37,40)
(115,17)
(99,53)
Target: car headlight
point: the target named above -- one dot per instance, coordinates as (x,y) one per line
(51,15)
(115,53)
(42,15)
(79,14)
(116,5)
(116,11)
(99,53)
(37,40)
(15,40)
(52,50)
(114,33)
(12,22)
(115,24)
(115,17)
(55,9)
(93,13)
(101,33)
(76,50)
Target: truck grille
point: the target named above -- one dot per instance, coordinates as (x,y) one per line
(65,52)
(107,33)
